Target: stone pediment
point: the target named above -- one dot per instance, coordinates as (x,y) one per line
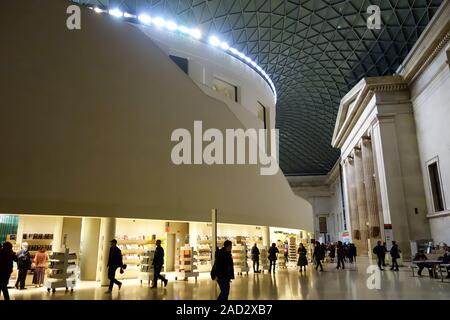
(357,99)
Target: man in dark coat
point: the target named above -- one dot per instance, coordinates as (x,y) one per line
(255,258)
(318,255)
(7,256)
(380,252)
(114,262)
(273,252)
(23,265)
(158,262)
(224,269)
(395,254)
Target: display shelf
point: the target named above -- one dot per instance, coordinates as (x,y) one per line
(187,263)
(264,259)
(281,258)
(204,256)
(239,253)
(292,250)
(146,271)
(62,271)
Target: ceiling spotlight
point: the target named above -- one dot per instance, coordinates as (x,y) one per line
(116,13)
(172,26)
(224,46)
(196,33)
(214,41)
(144,18)
(98,10)
(129,15)
(159,22)
(233,51)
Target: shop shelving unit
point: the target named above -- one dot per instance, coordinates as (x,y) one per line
(187,265)
(281,258)
(264,259)
(292,250)
(146,267)
(36,240)
(239,253)
(63,271)
(133,250)
(204,255)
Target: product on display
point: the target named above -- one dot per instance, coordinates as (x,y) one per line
(239,252)
(62,271)
(204,255)
(187,263)
(133,253)
(264,259)
(292,249)
(281,258)
(37,240)
(146,267)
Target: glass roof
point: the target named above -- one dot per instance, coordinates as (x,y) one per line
(314,51)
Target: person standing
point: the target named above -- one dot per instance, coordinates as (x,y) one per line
(40,263)
(114,262)
(255,258)
(352,249)
(224,270)
(395,254)
(340,255)
(23,265)
(273,251)
(302,260)
(380,252)
(7,256)
(317,255)
(158,262)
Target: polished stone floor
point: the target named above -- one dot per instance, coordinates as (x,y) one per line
(284,285)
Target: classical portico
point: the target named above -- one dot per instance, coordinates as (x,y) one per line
(383,189)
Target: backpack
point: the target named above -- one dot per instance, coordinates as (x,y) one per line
(24,261)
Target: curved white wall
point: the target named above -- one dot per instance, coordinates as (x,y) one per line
(86,121)
(207,62)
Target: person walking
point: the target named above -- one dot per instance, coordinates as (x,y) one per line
(40,263)
(223,270)
(395,254)
(255,258)
(7,256)
(302,259)
(317,255)
(23,265)
(380,252)
(114,262)
(158,262)
(273,252)
(340,255)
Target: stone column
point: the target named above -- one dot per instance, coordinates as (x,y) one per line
(361,200)
(353,207)
(370,188)
(107,233)
(90,232)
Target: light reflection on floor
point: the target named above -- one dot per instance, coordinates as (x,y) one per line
(284,285)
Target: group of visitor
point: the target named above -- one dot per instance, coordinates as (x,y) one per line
(24,263)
